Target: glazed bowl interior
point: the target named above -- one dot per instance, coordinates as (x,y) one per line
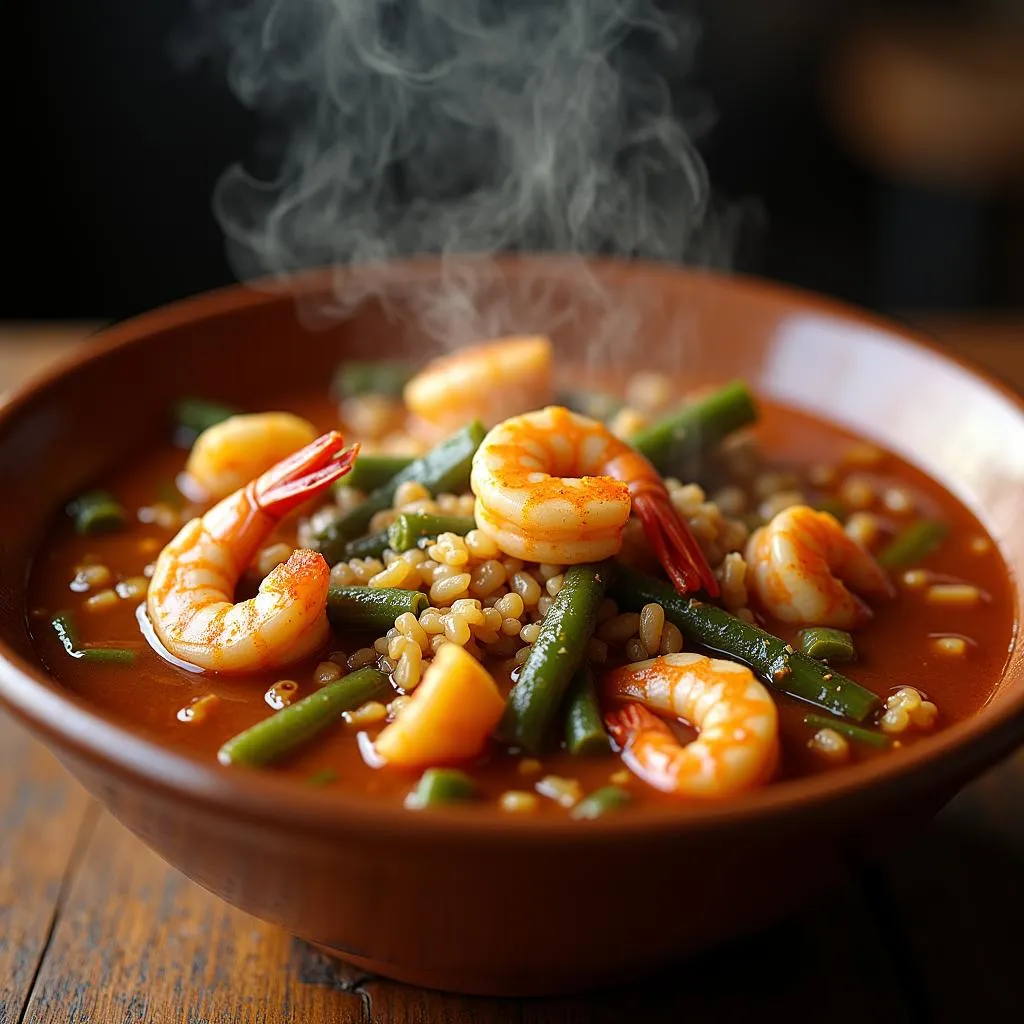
(256,347)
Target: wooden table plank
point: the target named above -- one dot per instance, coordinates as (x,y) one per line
(43,815)
(137,941)
(25,349)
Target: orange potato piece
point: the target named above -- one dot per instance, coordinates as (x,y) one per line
(449,717)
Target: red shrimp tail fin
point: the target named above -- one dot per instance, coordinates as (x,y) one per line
(623,724)
(304,474)
(674,544)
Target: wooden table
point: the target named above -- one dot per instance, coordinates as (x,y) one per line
(96,928)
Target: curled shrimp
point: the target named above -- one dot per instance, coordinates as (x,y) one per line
(488,382)
(229,454)
(737,746)
(554,486)
(190,601)
(804,566)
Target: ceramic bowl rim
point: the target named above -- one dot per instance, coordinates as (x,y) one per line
(71,726)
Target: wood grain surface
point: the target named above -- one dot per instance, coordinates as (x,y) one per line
(96,929)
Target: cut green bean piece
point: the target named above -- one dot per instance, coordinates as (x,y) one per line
(444,468)
(554,657)
(194,415)
(584,728)
(372,471)
(769,657)
(371,609)
(833,506)
(324,777)
(853,732)
(677,443)
(410,528)
(598,405)
(298,723)
(96,512)
(107,655)
(64,626)
(601,801)
(372,377)
(440,786)
(914,544)
(169,494)
(372,545)
(832,645)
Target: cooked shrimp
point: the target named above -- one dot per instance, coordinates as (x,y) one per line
(801,564)
(737,745)
(488,382)
(229,454)
(554,486)
(190,601)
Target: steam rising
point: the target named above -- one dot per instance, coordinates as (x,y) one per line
(463,126)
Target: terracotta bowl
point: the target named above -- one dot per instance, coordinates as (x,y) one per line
(473,903)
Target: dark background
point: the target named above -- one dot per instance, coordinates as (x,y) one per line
(113,150)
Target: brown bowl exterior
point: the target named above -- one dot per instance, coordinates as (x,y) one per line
(476,903)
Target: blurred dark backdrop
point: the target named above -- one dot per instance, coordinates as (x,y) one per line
(887,155)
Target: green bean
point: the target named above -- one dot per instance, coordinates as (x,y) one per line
(833,506)
(440,786)
(194,415)
(555,656)
(324,777)
(370,377)
(853,732)
(584,729)
(752,520)
(371,609)
(411,527)
(914,544)
(64,626)
(677,442)
(96,512)
(169,494)
(832,645)
(107,655)
(598,405)
(372,471)
(601,801)
(769,657)
(372,545)
(444,468)
(292,726)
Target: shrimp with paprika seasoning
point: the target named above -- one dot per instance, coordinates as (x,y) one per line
(554,486)
(805,567)
(191,595)
(738,743)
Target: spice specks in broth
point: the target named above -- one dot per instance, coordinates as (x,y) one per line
(503,635)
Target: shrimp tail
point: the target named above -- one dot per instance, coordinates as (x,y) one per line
(674,544)
(625,723)
(296,479)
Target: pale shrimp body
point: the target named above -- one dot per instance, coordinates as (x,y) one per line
(191,595)
(554,486)
(229,454)
(737,745)
(805,570)
(487,382)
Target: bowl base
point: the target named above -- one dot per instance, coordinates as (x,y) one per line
(498,985)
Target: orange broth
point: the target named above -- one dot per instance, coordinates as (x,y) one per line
(894,649)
